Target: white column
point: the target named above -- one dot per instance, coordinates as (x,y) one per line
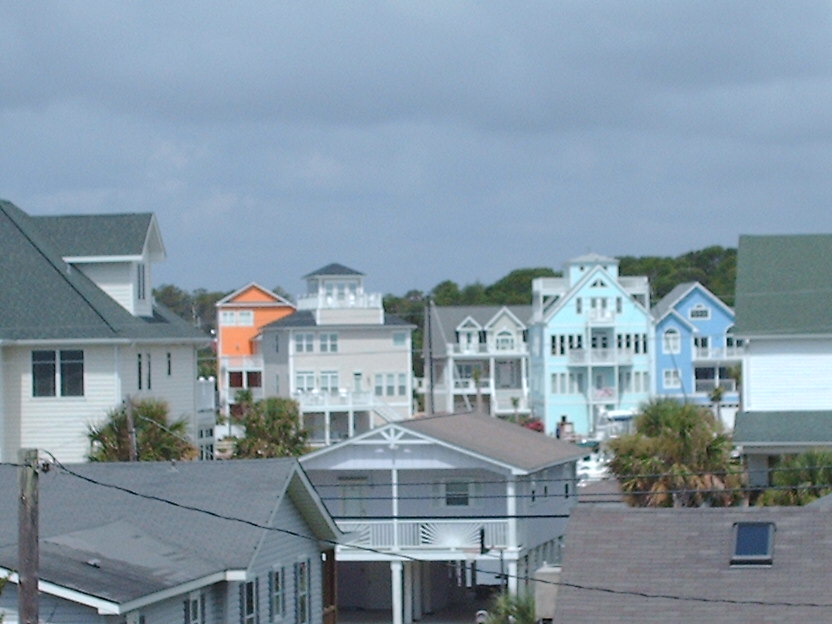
(327,426)
(396,581)
(351,422)
(492,387)
(394,481)
(511,571)
(511,512)
(407,603)
(417,590)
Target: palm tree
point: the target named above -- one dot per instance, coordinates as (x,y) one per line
(678,456)
(800,479)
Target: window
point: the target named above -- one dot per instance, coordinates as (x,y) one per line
(235,379)
(391,384)
(329,343)
(619,305)
(505,341)
(699,311)
(329,382)
(277,594)
(141,289)
(245,318)
(578,305)
(379,385)
(753,543)
(302,593)
(139,369)
(671,378)
(206,443)
(304,343)
(170,363)
(254,379)
(195,609)
(304,381)
(58,371)
(149,377)
(399,339)
(248,602)
(402,384)
(671,341)
(456,494)
(277,343)
(228,317)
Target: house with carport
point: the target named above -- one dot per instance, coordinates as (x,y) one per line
(438,505)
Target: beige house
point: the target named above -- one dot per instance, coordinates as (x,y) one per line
(346,361)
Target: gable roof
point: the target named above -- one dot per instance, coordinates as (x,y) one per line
(144,546)
(231,299)
(784,428)
(333,269)
(33,273)
(98,234)
(784,285)
(686,553)
(447,318)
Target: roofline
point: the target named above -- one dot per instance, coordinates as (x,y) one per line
(800,336)
(505,308)
(90,259)
(278,298)
(101,341)
(682,319)
(153,227)
(334,325)
(701,286)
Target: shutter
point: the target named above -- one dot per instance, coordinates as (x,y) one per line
(242,603)
(297,609)
(187,619)
(257,600)
(282,591)
(271,595)
(202,601)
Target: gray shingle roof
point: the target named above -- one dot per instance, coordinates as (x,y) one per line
(497,439)
(784,285)
(445,320)
(97,235)
(783,428)
(43,298)
(333,269)
(687,552)
(306,318)
(669,300)
(144,545)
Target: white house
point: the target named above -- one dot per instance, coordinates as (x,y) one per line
(477,353)
(235,542)
(80,332)
(341,356)
(784,298)
(461,492)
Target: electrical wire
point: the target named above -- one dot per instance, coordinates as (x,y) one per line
(525,578)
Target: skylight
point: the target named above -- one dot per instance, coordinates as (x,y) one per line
(753,543)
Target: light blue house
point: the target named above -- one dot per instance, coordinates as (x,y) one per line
(696,349)
(591,345)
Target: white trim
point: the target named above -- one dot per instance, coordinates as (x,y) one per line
(102,259)
(227,300)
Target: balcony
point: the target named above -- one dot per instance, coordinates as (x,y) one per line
(708,385)
(603,394)
(469,385)
(600,316)
(424,535)
(586,357)
(336,302)
(476,348)
(241,362)
(717,354)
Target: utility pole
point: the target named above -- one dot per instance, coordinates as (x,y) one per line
(27,537)
(131,430)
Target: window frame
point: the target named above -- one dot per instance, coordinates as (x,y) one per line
(671,341)
(671,378)
(449,496)
(703,312)
(59,375)
(277,593)
(761,557)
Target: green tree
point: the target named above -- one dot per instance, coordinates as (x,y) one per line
(156,438)
(799,479)
(678,456)
(508,608)
(272,429)
(516,287)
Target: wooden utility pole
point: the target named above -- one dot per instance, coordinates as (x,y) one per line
(27,537)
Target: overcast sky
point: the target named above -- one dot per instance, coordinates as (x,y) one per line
(419,141)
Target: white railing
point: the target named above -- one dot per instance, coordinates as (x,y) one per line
(478,348)
(603,394)
(600,356)
(468,385)
(718,353)
(708,385)
(241,362)
(467,349)
(504,404)
(349,300)
(600,315)
(435,534)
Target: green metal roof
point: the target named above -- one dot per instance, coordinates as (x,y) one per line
(784,285)
(783,428)
(97,235)
(44,298)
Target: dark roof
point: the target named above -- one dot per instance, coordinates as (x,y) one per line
(332,270)
(305,318)
(784,285)
(44,298)
(505,442)
(687,553)
(670,299)
(783,428)
(447,318)
(142,545)
(97,235)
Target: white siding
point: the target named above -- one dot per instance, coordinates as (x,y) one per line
(788,375)
(114,278)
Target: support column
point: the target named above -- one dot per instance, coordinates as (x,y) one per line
(351,422)
(511,571)
(327,427)
(407,603)
(427,599)
(396,582)
(417,590)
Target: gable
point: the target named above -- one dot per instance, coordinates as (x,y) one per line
(252,293)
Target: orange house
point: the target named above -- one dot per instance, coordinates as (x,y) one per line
(240,316)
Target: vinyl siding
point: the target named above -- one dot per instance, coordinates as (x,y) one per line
(117,279)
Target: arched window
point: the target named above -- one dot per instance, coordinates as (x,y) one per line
(505,341)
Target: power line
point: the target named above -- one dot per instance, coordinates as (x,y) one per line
(525,578)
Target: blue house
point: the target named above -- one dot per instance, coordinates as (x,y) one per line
(591,345)
(696,349)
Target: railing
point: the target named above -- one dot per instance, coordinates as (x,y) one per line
(349,300)
(469,385)
(708,385)
(602,394)
(600,356)
(467,349)
(425,534)
(600,315)
(504,404)
(477,348)
(241,362)
(718,353)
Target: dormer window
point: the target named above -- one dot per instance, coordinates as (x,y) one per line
(753,543)
(505,341)
(141,286)
(598,284)
(700,312)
